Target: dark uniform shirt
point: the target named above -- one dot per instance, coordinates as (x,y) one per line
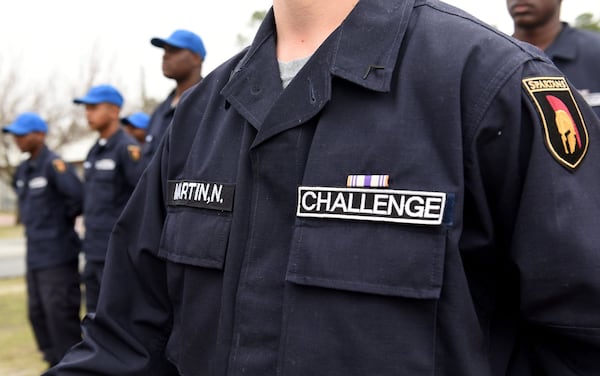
(397,210)
(159,122)
(111,173)
(50,197)
(576,52)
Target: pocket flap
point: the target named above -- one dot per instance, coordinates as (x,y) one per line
(385,259)
(195,237)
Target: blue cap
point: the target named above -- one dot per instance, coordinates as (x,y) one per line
(137,119)
(182,39)
(26,123)
(101,94)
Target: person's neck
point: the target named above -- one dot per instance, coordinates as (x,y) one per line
(303,25)
(35,152)
(542,36)
(109,130)
(183,85)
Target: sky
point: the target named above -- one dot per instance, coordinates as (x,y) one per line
(51,42)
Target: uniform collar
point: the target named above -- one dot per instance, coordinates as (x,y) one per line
(369,42)
(107,143)
(254,84)
(563,47)
(32,164)
(363,50)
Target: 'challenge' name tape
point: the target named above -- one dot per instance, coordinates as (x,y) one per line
(384,205)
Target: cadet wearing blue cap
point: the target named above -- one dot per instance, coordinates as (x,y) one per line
(182,60)
(374,187)
(112,169)
(50,197)
(136,125)
(576,52)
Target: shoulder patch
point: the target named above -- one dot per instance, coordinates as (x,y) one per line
(564,128)
(59,165)
(134,152)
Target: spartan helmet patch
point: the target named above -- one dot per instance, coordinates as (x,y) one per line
(135,152)
(564,128)
(59,165)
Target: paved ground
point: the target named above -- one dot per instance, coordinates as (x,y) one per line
(12,252)
(12,257)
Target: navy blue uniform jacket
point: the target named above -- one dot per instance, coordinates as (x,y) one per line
(576,53)
(50,197)
(111,171)
(253,246)
(159,122)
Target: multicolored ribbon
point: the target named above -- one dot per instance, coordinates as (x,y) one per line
(368,181)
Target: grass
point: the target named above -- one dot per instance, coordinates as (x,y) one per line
(19,355)
(11,232)
(8,227)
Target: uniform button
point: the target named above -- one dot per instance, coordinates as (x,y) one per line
(255,90)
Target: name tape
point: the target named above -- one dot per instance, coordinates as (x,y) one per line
(198,194)
(383,205)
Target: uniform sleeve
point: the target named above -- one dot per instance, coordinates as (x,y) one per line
(131,163)
(128,333)
(68,184)
(532,183)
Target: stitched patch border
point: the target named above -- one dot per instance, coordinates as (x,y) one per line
(564,128)
(364,204)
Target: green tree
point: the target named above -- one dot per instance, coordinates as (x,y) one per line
(587,21)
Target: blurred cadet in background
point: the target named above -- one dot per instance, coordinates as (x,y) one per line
(136,125)
(576,52)
(111,171)
(182,60)
(50,197)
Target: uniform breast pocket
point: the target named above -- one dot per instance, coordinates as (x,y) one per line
(361,298)
(103,188)
(194,242)
(194,237)
(36,210)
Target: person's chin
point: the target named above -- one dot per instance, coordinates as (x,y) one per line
(525,21)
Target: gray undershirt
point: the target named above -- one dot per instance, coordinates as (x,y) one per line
(289,69)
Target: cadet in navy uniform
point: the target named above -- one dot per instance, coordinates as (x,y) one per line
(184,53)
(112,170)
(50,197)
(420,199)
(576,52)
